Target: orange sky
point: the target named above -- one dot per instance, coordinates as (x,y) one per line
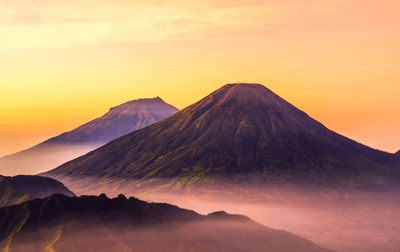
(63,63)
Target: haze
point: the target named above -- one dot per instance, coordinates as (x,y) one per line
(337,60)
(357,221)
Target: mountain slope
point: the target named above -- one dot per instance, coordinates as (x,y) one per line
(241,133)
(14,190)
(119,121)
(89,223)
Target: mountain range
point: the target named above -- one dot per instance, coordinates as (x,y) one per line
(91,223)
(15,190)
(241,133)
(118,121)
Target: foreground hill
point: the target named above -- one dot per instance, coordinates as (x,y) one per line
(14,190)
(117,122)
(89,223)
(241,133)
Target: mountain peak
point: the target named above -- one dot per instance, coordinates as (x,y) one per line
(244,95)
(142,101)
(244,89)
(250,105)
(141,108)
(242,85)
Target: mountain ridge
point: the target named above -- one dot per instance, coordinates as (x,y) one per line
(98,223)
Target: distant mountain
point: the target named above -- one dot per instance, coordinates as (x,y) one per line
(14,190)
(241,133)
(90,223)
(117,122)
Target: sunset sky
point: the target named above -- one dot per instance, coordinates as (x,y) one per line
(63,63)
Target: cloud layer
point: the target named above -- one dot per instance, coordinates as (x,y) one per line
(44,23)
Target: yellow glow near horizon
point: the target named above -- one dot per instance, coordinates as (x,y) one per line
(63,63)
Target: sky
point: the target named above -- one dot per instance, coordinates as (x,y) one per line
(63,63)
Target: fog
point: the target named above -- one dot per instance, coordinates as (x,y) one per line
(339,220)
(41,158)
(93,234)
(348,225)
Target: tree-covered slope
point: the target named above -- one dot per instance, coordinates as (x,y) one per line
(14,190)
(90,223)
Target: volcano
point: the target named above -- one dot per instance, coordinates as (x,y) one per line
(118,121)
(241,133)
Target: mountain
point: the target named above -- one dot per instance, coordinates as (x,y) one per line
(14,190)
(90,223)
(119,121)
(241,133)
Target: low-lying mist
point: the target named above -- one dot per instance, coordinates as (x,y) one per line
(42,158)
(338,220)
(354,224)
